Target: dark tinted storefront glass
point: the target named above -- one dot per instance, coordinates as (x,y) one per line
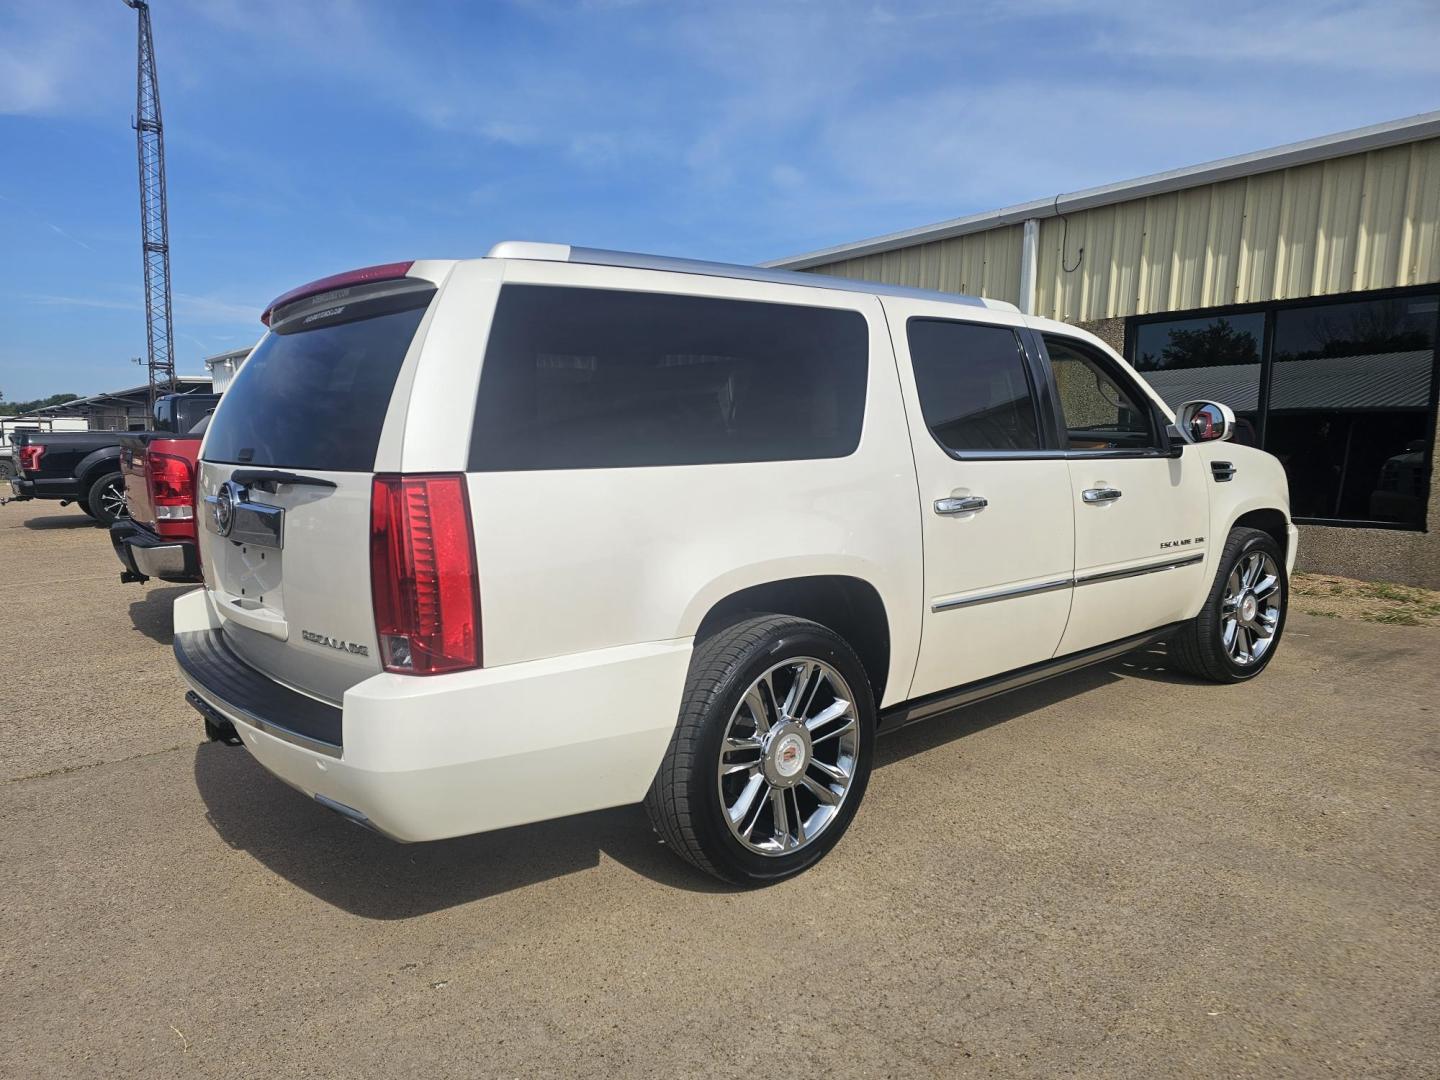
(598,378)
(1349,411)
(1215,359)
(972,385)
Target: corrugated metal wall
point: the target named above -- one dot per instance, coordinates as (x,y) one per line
(1366,221)
(981,264)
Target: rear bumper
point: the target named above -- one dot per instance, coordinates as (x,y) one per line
(1292,548)
(424,758)
(145,555)
(63,488)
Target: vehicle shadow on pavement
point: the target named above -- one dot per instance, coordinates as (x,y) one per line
(367,875)
(61,521)
(154,615)
(901,743)
(1152,663)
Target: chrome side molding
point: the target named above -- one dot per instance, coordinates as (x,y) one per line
(1002,594)
(1137,571)
(1063,583)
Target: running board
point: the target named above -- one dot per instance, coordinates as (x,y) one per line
(908,712)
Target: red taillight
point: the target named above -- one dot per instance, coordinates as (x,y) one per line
(422,574)
(30,458)
(172,486)
(384,272)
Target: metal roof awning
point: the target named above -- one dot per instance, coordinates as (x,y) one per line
(1378,381)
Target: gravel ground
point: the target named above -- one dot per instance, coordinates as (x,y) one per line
(1118,873)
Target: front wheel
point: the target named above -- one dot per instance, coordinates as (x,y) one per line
(1237,631)
(771,753)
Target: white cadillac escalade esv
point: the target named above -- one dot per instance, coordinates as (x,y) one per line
(498,540)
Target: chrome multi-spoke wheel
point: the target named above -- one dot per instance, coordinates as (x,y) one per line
(788,756)
(107,499)
(1235,633)
(114,501)
(1250,610)
(771,753)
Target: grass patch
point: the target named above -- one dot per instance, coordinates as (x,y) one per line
(1395,617)
(1333,597)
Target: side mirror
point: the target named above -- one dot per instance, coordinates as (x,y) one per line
(1205,421)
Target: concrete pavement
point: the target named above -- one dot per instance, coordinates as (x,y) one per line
(1118,873)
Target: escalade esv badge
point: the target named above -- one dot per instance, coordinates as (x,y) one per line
(335,643)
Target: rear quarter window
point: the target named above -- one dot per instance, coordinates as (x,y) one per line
(316,398)
(596,378)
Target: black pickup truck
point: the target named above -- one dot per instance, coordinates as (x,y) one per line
(83,467)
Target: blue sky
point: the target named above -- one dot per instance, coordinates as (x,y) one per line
(304,138)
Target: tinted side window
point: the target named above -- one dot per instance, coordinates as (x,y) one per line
(1100,413)
(972,385)
(599,378)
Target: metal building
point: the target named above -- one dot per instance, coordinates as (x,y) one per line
(1300,285)
(121,410)
(223,367)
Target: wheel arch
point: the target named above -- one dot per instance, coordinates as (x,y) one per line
(95,465)
(851,606)
(1270,520)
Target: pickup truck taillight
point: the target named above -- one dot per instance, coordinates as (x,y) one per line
(422,574)
(172,487)
(30,458)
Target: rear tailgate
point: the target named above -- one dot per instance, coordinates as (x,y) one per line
(285,481)
(137,489)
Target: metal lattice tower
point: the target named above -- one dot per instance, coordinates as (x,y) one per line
(154,228)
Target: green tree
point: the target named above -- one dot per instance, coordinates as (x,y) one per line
(20,408)
(1217,345)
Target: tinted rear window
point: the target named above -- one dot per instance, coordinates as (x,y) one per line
(315,398)
(598,378)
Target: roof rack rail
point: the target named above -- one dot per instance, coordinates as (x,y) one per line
(520,249)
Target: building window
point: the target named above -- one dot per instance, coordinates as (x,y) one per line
(1216,358)
(1341,391)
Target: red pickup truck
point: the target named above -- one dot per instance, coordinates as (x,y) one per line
(158,539)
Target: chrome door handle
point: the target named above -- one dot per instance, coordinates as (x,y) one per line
(1100,495)
(961,504)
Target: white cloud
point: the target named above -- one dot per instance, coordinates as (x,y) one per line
(55,58)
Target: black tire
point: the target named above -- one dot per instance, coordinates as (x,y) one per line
(684,801)
(8,469)
(1200,649)
(99,499)
(85,509)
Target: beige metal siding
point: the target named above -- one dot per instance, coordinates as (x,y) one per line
(1364,221)
(981,264)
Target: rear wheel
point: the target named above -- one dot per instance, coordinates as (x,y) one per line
(1239,628)
(107,500)
(771,754)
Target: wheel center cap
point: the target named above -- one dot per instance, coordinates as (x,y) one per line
(789,755)
(1248,607)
